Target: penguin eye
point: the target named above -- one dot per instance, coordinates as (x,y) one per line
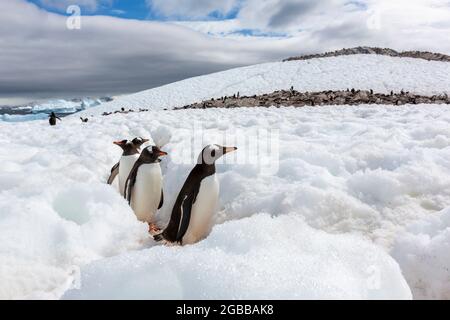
(213,153)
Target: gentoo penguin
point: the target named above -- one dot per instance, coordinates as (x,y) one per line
(129,156)
(52,119)
(143,188)
(115,169)
(193,212)
(84,119)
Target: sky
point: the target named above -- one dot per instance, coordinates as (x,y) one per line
(121,46)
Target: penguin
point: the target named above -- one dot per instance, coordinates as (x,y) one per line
(52,119)
(84,119)
(193,212)
(129,157)
(143,188)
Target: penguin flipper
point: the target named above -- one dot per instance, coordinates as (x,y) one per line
(114,173)
(161,201)
(131,180)
(186,207)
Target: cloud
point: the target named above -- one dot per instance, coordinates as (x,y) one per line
(191,9)
(290,12)
(40,57)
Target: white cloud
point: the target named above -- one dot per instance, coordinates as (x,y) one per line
(111,55)
(400,24)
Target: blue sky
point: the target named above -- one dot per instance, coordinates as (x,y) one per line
(137,9)
(134,9)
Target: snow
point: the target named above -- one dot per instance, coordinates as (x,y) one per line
(347,179)
(350,202)
(424,255)
(380,73)
(242,260)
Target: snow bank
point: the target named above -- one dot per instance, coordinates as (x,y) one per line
(255,258)
(369,171)
(380,73)
(23,117)
(423,252)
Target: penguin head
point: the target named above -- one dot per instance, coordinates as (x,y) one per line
(151,154)
(212,152)
(139,141)
(127,146)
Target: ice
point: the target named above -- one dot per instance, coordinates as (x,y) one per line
(423,252)
(346,193)
(64,106)
(22,117)
(255,258)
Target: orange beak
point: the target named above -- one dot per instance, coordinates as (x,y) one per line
(162,153)
(119,143)
(228,149)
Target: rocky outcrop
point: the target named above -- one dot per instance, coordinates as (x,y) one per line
(300,99)
(430,56)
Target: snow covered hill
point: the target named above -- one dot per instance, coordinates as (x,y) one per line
(380,73)
(331,202)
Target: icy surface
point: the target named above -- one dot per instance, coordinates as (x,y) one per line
(245,260)
(424,255)
(380,73)
(41,110)
(368,171)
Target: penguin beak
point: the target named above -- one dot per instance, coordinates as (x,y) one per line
(162,153)
(228,149)
(119,143)
(145,140)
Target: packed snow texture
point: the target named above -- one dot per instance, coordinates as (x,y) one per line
(368,171)
(380,73)
(423,252)
(244,260)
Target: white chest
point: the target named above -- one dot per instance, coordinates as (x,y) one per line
(125,166)
(203,210)
(146,194)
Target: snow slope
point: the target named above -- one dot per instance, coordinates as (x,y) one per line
(423,252)
(380,73)
(347,183)
(244,260)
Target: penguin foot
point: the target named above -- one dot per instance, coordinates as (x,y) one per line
(158,237)
(153,229)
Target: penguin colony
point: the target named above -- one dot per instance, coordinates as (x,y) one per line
(141,184)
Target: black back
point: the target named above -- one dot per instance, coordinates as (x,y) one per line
(114,173)
(181,213)
(52,119)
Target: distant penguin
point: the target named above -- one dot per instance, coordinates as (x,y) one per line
(84,119)
(143,188)
(52,119)
(193,213)
(129,157)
